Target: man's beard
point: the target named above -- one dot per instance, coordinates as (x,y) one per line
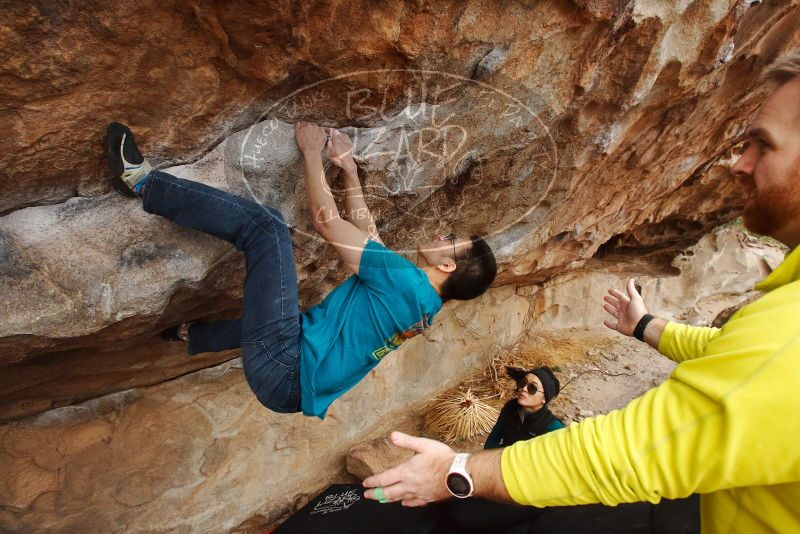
(775,208)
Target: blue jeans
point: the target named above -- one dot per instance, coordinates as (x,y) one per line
(269,330)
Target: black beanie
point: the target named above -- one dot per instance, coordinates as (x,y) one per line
(549,381)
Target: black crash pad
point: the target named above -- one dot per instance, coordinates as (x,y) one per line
(342,508)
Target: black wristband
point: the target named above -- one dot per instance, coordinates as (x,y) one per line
(638,332)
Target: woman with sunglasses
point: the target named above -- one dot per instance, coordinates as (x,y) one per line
(526,415)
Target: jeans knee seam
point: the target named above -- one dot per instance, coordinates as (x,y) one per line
(290,395)
(283,296)
(282,270)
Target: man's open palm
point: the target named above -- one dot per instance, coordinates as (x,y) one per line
(625,310)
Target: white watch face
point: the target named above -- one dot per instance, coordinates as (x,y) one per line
(458,485)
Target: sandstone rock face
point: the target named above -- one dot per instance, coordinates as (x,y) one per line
(562,130)
(571,133)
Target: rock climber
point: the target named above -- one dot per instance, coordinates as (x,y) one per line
(297,361)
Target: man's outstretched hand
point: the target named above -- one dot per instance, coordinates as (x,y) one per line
(626,310)
(419,480)
(310,137)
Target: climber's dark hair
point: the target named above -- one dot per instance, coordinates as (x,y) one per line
(474,273)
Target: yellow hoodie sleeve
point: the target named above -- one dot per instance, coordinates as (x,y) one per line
(640,453)
(681,342)
(693,433)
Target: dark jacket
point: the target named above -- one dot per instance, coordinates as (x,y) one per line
(510,428)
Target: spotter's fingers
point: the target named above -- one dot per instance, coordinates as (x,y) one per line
(622,297)
(612,310)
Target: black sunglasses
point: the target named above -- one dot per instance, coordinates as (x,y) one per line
(529,386)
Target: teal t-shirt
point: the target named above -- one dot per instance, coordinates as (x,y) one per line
(359,323)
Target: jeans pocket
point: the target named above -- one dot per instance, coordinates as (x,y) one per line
(291,333)
(274,383)
(283,356)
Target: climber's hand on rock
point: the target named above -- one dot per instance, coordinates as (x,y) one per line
(417,481)
(626,310)
(310,137)
(340,150)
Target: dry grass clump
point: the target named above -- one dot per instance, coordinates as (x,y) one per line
(530,349)
(458,415)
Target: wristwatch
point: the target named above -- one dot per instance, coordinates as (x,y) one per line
(458,481)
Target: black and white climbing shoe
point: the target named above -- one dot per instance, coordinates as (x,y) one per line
(127,164)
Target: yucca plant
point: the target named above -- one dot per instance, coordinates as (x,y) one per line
(458,415)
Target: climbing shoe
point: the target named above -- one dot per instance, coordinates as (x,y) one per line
(128,167)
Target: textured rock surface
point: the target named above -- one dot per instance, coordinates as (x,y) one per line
(199,454)
(571,132)
(374,457)
(601,126)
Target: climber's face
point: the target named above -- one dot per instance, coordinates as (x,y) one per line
(442,252)
(770,163)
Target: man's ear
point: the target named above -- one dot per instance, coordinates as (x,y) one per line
(447,267)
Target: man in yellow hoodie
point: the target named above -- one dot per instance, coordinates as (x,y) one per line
(725,424)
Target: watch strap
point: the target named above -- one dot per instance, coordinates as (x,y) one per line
(460,462)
